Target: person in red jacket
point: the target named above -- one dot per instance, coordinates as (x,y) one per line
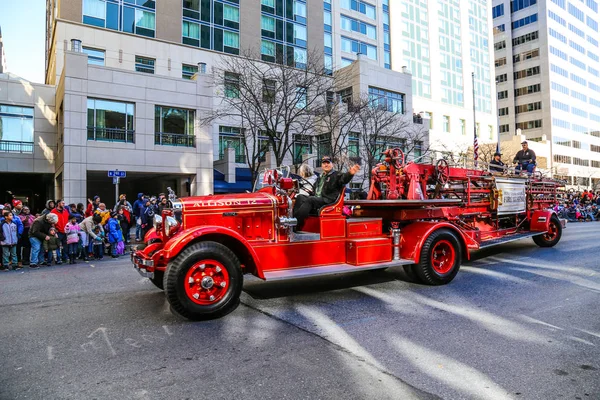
(63,218)
(92,206)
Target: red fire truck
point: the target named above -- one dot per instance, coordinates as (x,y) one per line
(426,218)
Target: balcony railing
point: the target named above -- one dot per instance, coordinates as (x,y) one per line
(111,134)
(239,158)
(10,146)
(174,139)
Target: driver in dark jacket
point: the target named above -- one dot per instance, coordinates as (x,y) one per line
(327,189)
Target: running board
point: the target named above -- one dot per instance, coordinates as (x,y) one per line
(506,239)
(330,270)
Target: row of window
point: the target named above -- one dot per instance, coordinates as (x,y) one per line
(528,107)
(576,161)
(446,127)
(137,17)
(526,73)
(16,129)
(516,5)
(530,19)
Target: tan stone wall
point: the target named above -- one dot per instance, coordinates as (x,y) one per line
(168,20)
(314,14)
(250,27)
(71,10)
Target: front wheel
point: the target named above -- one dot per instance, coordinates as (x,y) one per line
(158,278)
(204,281)
(440,258)
(550,238)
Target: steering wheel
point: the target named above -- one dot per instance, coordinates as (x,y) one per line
(398,155)
(442,171)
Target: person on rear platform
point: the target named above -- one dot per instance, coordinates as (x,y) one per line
(327,190)
(525,159)
(496,165)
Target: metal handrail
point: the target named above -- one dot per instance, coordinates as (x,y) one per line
(174,139)
(111,134)
(13,146)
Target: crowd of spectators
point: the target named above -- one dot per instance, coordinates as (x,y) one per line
(580,206)
(62,233)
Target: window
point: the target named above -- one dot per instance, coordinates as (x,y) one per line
(388,100)
(500,61)
(174,126)
(110,121)
(16,129)
(301,97)
(560,105)
(231,138)
(269,90)
(526,72)
(504,128)
(529,124)
(323,145)
(351,24)
(562,159)
(187,71)
(500,45)
(267,48)
(560,88)
(268,3)
(530,19)
(503,94)
(232,85)
(491,131)
(231,13)
(355,46)
(557,18)
(95,56)
(267,23)
(302,146)
(463,127)
(360,6)
(130,16)
(516,5)
(528,107)
(190,30)
(560,3)
(144,64)
(446,123)
(576,12)
(353,144)
(498,11)
(526,38)
(231,40)
(94,12)
(502,111)
(501,78)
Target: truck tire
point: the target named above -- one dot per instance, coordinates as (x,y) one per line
(550,238)
(409,271)
(204,281)
(440,258)
(158,279)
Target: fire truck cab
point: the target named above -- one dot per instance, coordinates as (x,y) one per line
(425,218)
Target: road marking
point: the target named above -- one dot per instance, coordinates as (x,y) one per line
(50,350)
(166,328)
(537,321)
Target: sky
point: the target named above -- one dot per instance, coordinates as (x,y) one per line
(23,25)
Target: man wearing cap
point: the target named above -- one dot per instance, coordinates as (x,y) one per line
(63,217)
(327,189)
(525,159)
(496,165)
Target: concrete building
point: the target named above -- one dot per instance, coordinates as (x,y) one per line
(548,72)
(132,79)
(442,43)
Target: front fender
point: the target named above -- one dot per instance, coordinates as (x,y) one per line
(540,220)
(413,237)
(151,235)
(177,243)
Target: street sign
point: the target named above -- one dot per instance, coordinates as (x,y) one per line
(115,181)
(117,174)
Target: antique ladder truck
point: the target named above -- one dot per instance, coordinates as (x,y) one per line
(424,217)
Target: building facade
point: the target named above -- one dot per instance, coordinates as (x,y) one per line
(132,79)
(548,73)
(2,55)
(442,43)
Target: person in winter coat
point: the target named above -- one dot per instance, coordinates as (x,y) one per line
(147,217)
(49,207)
(17,207)
(114,233)
(127,213)
(40,233)
(123,221)
(72,230)
(24,246)
(17,221)
(74,213)
(9,242)
(92,206)
(81,211)
(103,212)
(63,218)
(138,209)
(53,248)
(122,202)
(162,205)
(88,235)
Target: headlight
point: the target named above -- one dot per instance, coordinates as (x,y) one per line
(156,222)
(170,225)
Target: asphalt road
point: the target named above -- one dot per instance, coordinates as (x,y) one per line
(518,322)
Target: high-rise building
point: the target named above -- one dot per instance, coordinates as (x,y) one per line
(133,78)
(2,55)
(442,43)
(548,74)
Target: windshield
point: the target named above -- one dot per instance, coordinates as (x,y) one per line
(266,177)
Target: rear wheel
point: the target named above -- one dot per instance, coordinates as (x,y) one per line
(440,258)
(158,278)
(410,272)
(550,238)
(204,281)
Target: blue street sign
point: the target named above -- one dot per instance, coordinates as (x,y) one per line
(117,174)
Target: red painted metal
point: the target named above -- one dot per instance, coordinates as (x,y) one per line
(540,220)
(206,282)
(443,257)
(415,234)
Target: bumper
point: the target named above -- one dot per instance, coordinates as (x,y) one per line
(141,265)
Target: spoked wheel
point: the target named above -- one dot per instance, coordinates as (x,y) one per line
(204,281)
(442,171)
(398,157)
(440,258)
(550,238)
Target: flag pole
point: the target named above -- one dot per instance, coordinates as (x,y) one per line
(475,143)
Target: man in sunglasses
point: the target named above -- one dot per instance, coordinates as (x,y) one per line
(327,189)
(525,159)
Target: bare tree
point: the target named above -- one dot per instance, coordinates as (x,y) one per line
(274,103)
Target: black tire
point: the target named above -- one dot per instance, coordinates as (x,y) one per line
(158,279)
(175,285)
(411,274)
(547,239)
(441,240)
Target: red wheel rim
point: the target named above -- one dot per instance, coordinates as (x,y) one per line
(552,232)
(443,256)
(206,282)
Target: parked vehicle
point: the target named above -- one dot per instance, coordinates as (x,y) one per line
(424,217)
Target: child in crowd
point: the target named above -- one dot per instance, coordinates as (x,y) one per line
(52,246)
(98,243)
(115,235)
(72,230)
(9,239)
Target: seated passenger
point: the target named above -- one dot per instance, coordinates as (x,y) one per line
(327,189)
(307,181)
(496,165)
(525,159)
